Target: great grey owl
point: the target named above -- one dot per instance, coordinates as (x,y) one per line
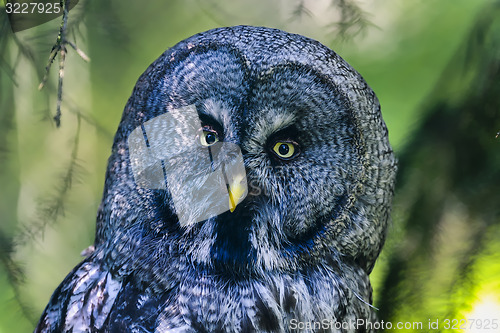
(248,190)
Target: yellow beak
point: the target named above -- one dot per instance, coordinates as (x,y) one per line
(236,191)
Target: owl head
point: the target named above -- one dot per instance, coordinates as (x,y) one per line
(246,150)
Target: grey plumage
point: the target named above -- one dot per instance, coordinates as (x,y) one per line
(298,248)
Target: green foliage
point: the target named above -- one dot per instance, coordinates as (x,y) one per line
(447,198)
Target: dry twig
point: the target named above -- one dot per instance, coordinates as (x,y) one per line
(60,48)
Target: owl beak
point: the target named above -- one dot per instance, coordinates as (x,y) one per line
(236,190)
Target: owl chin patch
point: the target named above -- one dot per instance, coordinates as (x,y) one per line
(204,178)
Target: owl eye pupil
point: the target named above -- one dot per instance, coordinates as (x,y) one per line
(210,138)
(283,149)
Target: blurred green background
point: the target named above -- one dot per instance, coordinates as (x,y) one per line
(433,64)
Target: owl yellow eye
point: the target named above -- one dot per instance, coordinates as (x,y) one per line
(208,137)
(284,150)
